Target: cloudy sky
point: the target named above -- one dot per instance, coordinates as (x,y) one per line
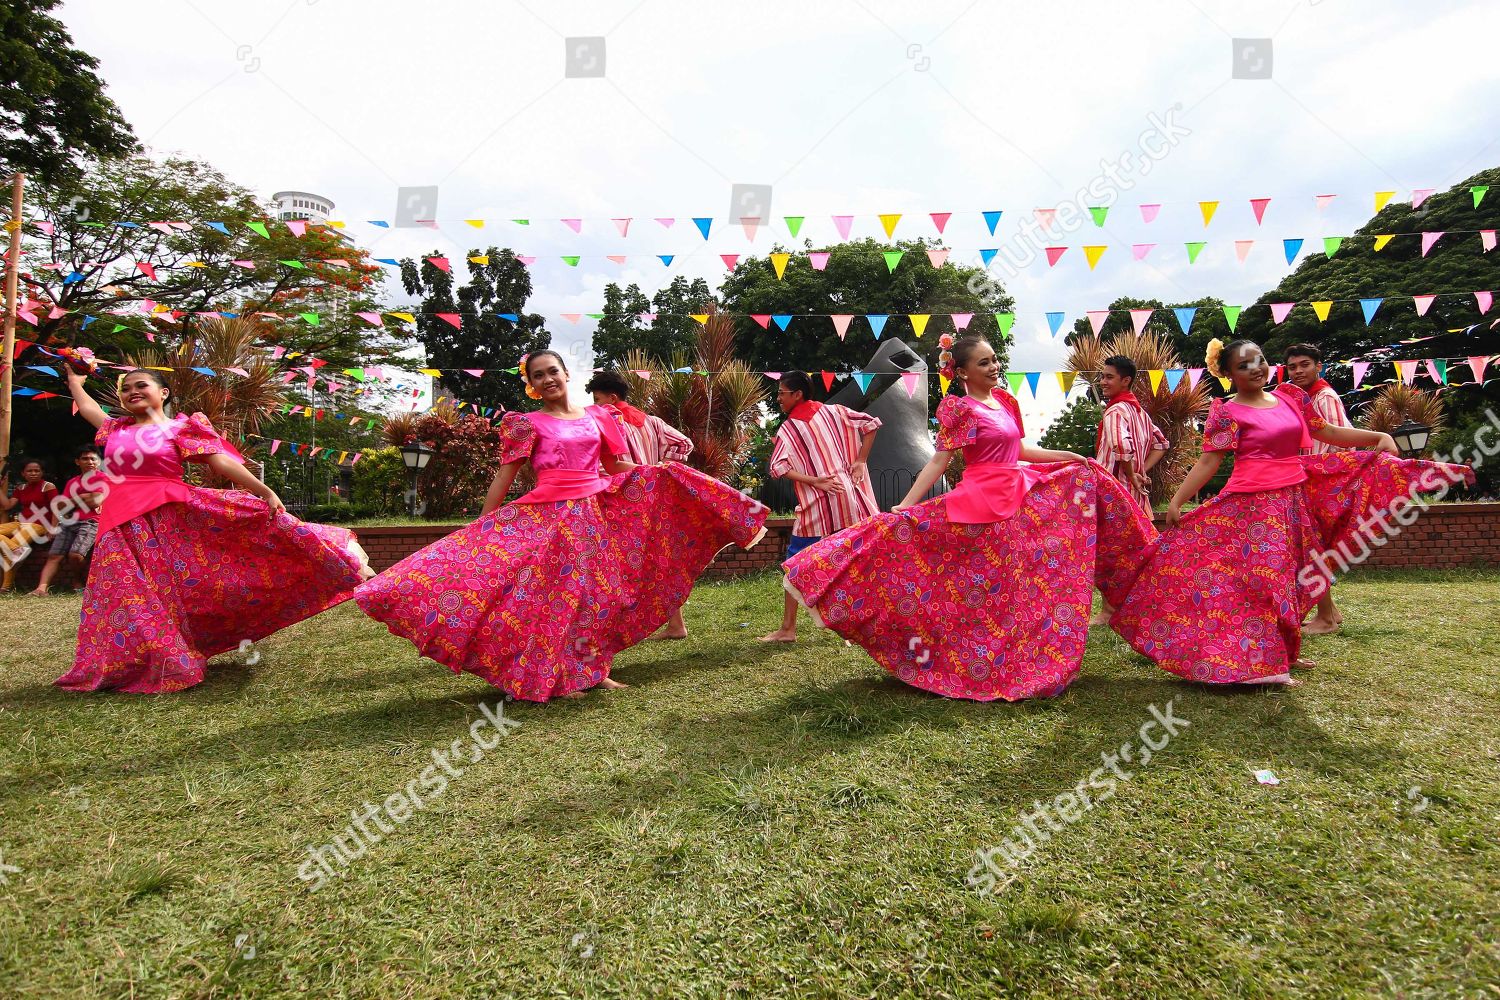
(843,107)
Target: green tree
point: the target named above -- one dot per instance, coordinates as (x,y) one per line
(855,281)
(1076,428)
(622,329)
(484,340)
(53,109)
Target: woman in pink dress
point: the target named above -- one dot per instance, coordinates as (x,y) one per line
(1221,597)
(182,573)
(983,592)
(538,596)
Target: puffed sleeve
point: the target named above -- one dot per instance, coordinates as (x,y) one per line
(1220,431)
(517,437)
(101,436)
(958,425)
(675,446)
(197,440)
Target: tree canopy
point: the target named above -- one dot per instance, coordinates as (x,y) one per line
(622,328)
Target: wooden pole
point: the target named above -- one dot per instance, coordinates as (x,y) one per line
(12,279)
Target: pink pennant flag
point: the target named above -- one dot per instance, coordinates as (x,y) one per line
(1275,373)
(1242,249)
(961,320)
(818,260)
(451,318)
(940,220)
(1139,318)
(1324,200)
(666,223)
(572,317)
(1148,212)
(58,312)
(1477,364)
(772,375)
(623,225)
(1432,371)
(48,228)
(843,222)
(149,270)
(648,317)
(618,258)
(1046,216)
(148,306)
(239,371)
(1428,239)
(909,383)
(372,318)
(337,260)
(1259,205)
(841,324)
(277,352)
(1054,254)
(1097,318)
(1194,374)
(297,226)
(938,256)
(1420,195)
(248,265)
(275,444)
(528,261)
(1141,250)
(441,263)
(1280,311)
(761,318)
(1360,367)
(1485,300)
(160,227)
(1407,370)
(574,224)
(1487,238)
(1424,303)
(476,372)
(730,260)
(751,224)
(31,318)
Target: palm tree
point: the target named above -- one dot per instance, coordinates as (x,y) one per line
(1397,403)
(1175,411)
(711,397)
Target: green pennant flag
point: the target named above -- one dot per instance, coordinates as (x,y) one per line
(1232,316)
(1331,244)
(594,315)
(1194,249)
(1005,321)
(313,319)
(1441,364)
(1099,213)
(259,227)
(358,374)
(1478,191)
(293,263)
(794,224)
(370,424)
(1015,379)
(892,258)
(521,222)
(571,261)
(119,327)
(514,371)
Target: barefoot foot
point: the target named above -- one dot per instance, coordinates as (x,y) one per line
(1304,664)
(612,685)
(780,635)
(1320,626)
(669,634)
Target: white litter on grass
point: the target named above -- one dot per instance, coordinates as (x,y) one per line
(1267,777)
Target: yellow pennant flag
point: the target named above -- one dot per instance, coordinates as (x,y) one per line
(778,261)
(481,259)
(429,371)
(158,368)
(943,382)
(476,223)
(1381,241)
(1381,197)
(919,322)
(1321,308)
(700,317)
(1065,381)
(1156,377)
(889,222)
(1208,208)
(1093,254)
(195,263)
(343,455)
(159,308)
(1223,381)
(404,317)
(336,225)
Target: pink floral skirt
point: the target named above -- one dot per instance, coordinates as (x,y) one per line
(980,611)
(187,581)
(1221,597)
(537,598)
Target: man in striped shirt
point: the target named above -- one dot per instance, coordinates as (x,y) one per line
(651,441)
(822,448)
(1303,365)
(1129,443)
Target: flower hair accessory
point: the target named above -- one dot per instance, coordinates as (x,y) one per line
(1211,357)
(530,389)
(80,359)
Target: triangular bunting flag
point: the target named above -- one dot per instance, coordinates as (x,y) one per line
(1321,309)
(1148,212)
(818,260)
(1194,249)
(1033,380)
(1438,369)
(1054,320)
(1208,208)
(1280,311)
(452,319)
(1093,254)
(1484,301)
(1360,367)
(1097,318)
(1258,205)
(793,224)
(1381,197)
(703,226)
(1242,249)
(940,221)
(909,383)
(1065,381)
(761,318)
(1370,306)
(991,220)
(961,320)
(1174,378)
(1054,254)
(937,257)
(1139,318)
(842,224)
(1420,195)
(1428,239)
(1478,191)
(888,222)
(1477,365)
(701,318)
(1407,370)
(841,324)
(1099,213)
(862,379)
(1007,320)
(892,258)
(574,224)
(1232,316)
(877,323)
(1015,378)
(1423,303)
(778,263)
(571,260)
(1140,250)
(730,259)
(1381,241)
(1046,216)
(827,381)
(985,256)
(623,225)
(919,322)
(1155,375)
(1291,248)
(1324,200)
(1331,244)
(666,259)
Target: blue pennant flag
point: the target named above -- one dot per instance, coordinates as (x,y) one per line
(987,256)
(513,317)
(127,225)
(1054,320)
(1033,379)
(782,320)
(203,371)
(388,260)
(1292,248)
(703,226)
(44,369)
(991,219)
(1369,306)
(220,227)
(1174,376)
(877,323)
(87,320)
(380,223)
(229,315)
(1185,316)
(863,378)
(25,392)
(73,278)
(665,258)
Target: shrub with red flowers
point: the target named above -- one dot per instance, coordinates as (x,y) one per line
(465,449)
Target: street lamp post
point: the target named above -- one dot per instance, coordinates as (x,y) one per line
(1411,438)
(416,455)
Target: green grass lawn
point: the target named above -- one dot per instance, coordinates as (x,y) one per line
(752,821)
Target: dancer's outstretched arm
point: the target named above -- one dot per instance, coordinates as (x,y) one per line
(1354,437)
(926,479)
(1030,454)
(236,473)
(1198,476)
(87,408)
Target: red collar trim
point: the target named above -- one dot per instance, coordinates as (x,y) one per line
(805,410)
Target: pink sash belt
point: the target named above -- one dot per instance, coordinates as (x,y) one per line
(1253,475)
(989,492)
(564,484)
(133,496)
